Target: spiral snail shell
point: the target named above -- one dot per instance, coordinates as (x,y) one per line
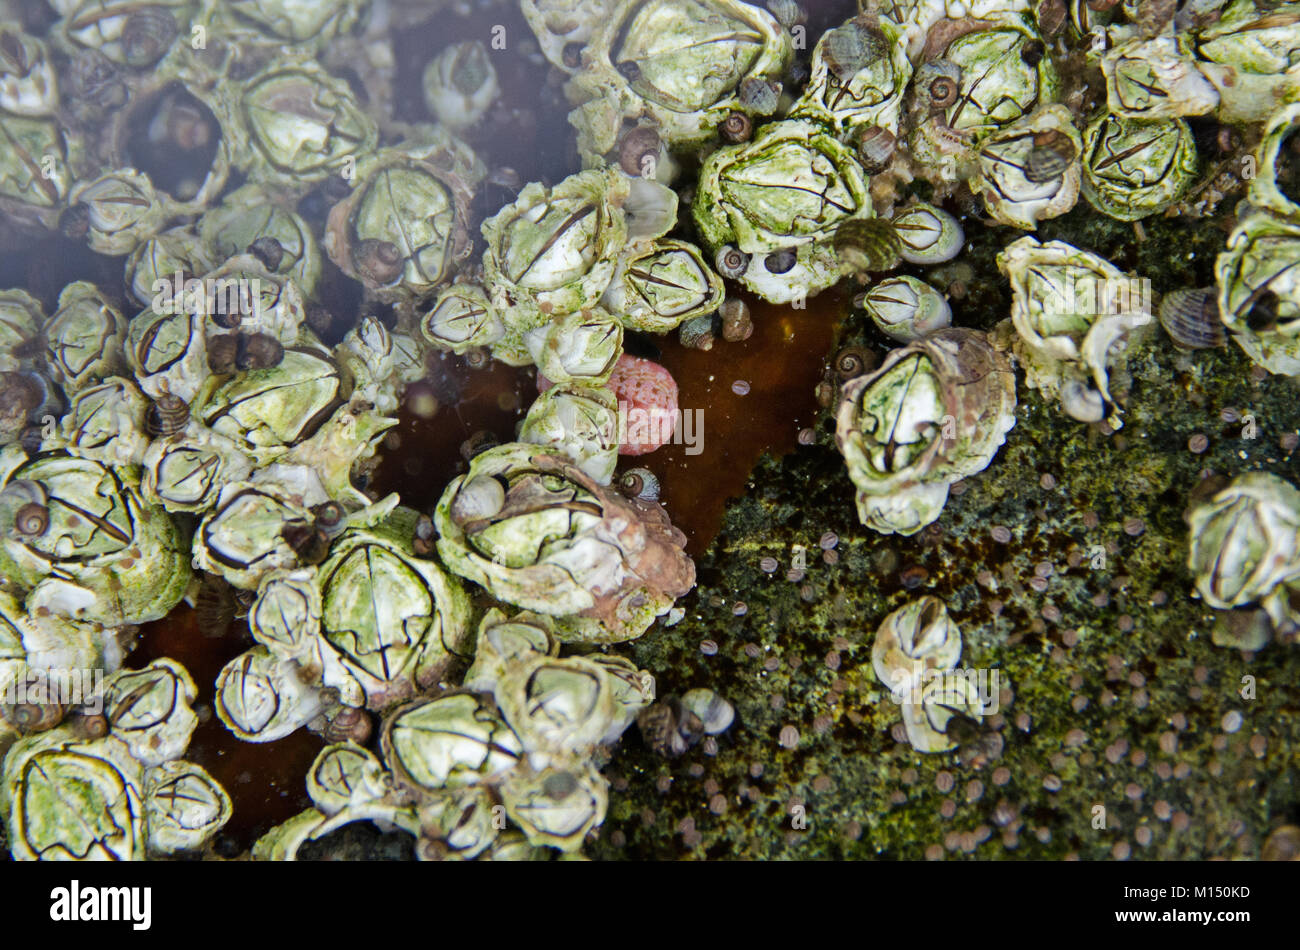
(349,723)
(269,251)
(639,483)
(32,519)
(89,725)
(330,517)
(876,146)
(168,415)
(938,84)
(146,36)
(639,148)
(1049,156)
(378,262)
(736,127)
(853,361)
(867,245)
(731,261)
(1191,318)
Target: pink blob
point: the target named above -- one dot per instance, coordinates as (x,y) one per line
(647,403)
(647,398)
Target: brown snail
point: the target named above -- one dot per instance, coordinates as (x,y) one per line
(737,127)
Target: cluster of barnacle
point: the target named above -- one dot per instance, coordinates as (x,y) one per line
(189,435)
(229,437)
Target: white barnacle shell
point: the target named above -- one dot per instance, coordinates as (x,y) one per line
(556,249)
(461,319)
(579,348)
(1245,541)
(261,697)
(1259,290)
(919,636)
(858,77)
(556,806)
(906,308)
(1156,78)
(1074,314)
(1018,186)
(935,411)
(460,84)
(184,806)
(927,235)
(151,710)
(580,421)
(915,654)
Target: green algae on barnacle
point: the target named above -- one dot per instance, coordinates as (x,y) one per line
(536,531)
(1074,316)
(682,63)
(1245,549)
(122,795)
(779,199)
(934,412)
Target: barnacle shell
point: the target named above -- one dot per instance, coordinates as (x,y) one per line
(460,84)
(1133,168)
(129,569)
(461,319)
(396,621)
(1031,170)
(564,27)
(557,807)
(935,411)
(294,123)
(927,235)
(1265,191)
(261,698)
(251,214)
(680,63)
(859,74)
(1074,314)
(561,545)
(1245,541)
(28,81)
(578,348)
(906,308)
(122,209)
(451,741)
(555,249)
(106,423)
(659,288)
(581,422)
(1249,54)
(914,648)
(413,201)
(1259,290)
(1156,78)
(83,338)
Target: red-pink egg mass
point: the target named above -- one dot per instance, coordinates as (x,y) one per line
(647,403)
